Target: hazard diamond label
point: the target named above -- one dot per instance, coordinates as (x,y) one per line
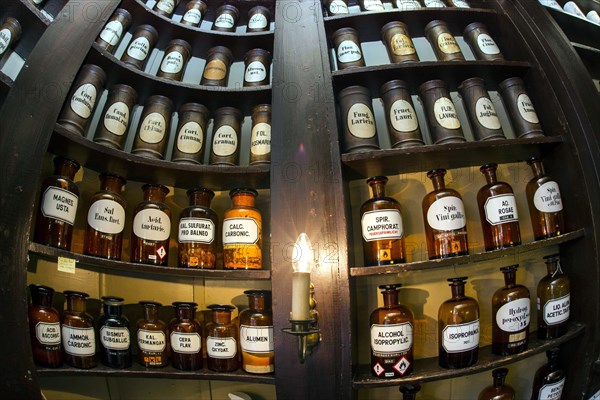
(378,369)
(161,252)
(402,365)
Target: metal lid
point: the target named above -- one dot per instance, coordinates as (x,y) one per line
(157,98)
(470,82)
(221,307)
(195,107)
(73,293)
(150,303)
(392,85)
(505,84)
(228,111)
(432,84)
(200,189)
(350,90)
(258,52)
(344,31)
(390,287)
(236,191)
(181,43)
(220,50)
(113,300)
(184,304)
(436,172)
(147,28)
(162,188)
(433,24)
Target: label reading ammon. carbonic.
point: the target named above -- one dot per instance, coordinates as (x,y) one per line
(79,341)
(361,122)
(59,204)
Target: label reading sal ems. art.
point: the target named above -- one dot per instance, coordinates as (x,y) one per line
(381,224)
(59,204)
(447,214)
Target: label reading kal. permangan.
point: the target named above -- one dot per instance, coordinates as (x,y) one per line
(151,341)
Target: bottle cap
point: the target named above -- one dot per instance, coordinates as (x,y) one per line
(499,372)
(73,293)
(457,281)
(435,172)
(163,188)
(552,258)
(41,289)
(488,166)
(221,307)
(150,303)
(390,287)
(260,293)
(235,191)
(509,268)
(377,178)
(185,304)
(113,300)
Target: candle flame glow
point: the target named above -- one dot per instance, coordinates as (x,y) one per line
(303,256)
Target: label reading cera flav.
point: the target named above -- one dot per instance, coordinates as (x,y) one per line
(186,343)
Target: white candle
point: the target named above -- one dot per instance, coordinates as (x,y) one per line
(303,260)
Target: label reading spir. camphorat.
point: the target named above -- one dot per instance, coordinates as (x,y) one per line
(381,224)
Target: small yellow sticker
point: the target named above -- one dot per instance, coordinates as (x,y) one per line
(66,265)
(193,261)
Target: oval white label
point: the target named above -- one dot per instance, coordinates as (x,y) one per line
(152,224)
(112,32)
(48,333)
(391,339)
(373,5)
(526,109)
(217,347)
(172,63)
(403,117)
(240,231)
(348,51)
(196,230)
(153,341)
(486,113)
(460,4)
(381,224)
(338,7)
(558,310)
(190,138)
(116,118)
(83,100)
(361,122)
(514,315)
(434,4)
(106,216)
(255,72)
(260,141)
(445,113)
(186,343)
(153,127)
(59,204)
(114,338)
(552,391)
(224,21)
(166,5)
(79,341)
(461,337)
(225,141)
(257,339)
(447,214)
(406,5)
(501,209)
(257,21)
(547,198)
(139,48)
(487,45)
(5,36)
(193,16)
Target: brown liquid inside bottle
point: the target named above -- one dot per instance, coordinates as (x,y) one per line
(549,379)
(458,328)
(222,340)
(106,219)
(151,227)
(198,231)
(510,315)
(445,220)
(185,335)
(58,206)
(242,232)
(553,300)
(152,337)
(381,226)
(391,336)
(545,204)
(44,328)
(498,212)
(256,333)
(499,390)
(78,335)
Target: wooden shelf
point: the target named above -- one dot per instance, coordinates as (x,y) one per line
(428,369)
(590,56)
(33,24)
(471,258)
(94,263)
(577,29)
(5,85)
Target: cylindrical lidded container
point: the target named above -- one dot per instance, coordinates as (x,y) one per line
(481,43)
(153,132)
(398,43)
(407,5)
(225,148)
(347,48)
(371,5)
(226,18)
(480,110)
(10,32)
(191,134)
(175,59)
(357,119)
(113,31)
(519,106)
(444,125)
(402,122)
(337,7)
(194,12)
(257,64)
(259,18)
(443,43)
(166,7)
(142,42)
(216,70)
(112,128)
(260,140)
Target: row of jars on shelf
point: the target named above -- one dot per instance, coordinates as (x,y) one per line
(77,341)
(446,221)
(400,47)
(359,130)
(572,8)
(151,227)
(10,33)
(341,7)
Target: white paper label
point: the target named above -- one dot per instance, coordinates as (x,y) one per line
(361,122)
(391,339)
(112,32)
(403,117)
(381,224)
(255,72)
(193,16)
(348,51)
(106,216)
(547,198)
(83,100)
(460,4)
(514,315)
(551,3)
(338,7)
(552,391)
(224,21)
(225,141)
(593,16)
(406,5)
(152,224)
(434,3)
(486,113)
(59,204)
(461,337)
(38,2)
(526,109)
(190,138)
(5,36)
(79,341)
(196,230)
(257,339)
(167,6)
(501,209)
(447,214)
(221,347)
(154,341)
(445,113)
(260,141)
(186,343)
(558,310)
(114,338)
(257,21)
(240,231)
(116,118)
(172,63)
(152,129)
(373,5)
(139,48)
(574,9)
(486,44)
(48,333)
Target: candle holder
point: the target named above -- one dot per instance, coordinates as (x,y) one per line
(308,334)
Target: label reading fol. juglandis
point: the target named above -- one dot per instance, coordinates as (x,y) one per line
(240,231)
(79,341)
(260,141)
(552,391)
(152,341)
(193,16)
(59,204)
(447,43)
(514,315)
(112,32)
(447,214)
(196,230)
(257,339)
(48,333)
(391,339)
(348,51)
(486,114)
(153,127)
(487,45)
(373,5)
(361,122)
(166,5)
(116,118)
(406,5)
(558,310)
(255,72)
(5,36)
(83,100)
(186,343)
(139,48)
(461,337)
(224,21)
(401,45)
(547,198)
(501,209)
(445,113)
(190,138)
(257,21)
(114,338)
(403,117)
(172,63)
(381,224)
(526,109)
(106,216)
(217,347)
(152,224)
(338,7)
(225,141)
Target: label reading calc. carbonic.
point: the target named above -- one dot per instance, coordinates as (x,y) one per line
(391,339)
(552,391)
(196,230)
(152,224)
(59,204)
(112,32)
(547,198)
(139,48)
(257,339)
(461,337)
(348,51)
(381,224)
(218,347)
(240,231)
(186,343)
(116,118)
(114,338)
(106,216)
(79,341)
(447,214)
(48,333)
(501,209)
(83,100)
(558,310)
(361,122)
(514,315)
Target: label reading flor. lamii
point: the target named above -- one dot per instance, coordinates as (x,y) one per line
(190,138)
(255,72)
(114,338)
(48,333)
(381,224)
(196,230)
(514,315)
(83,100)
(403,117)
(526,109)
(139,48)
(461,337)
(153,341)
(217,347)
(447,214)
(348,51)
(361,122)
(547,198)
(153,128)
(106,216)
(557,310)
(391,339)
(112,32)
(486,113)
(501,209)
(225,141)
(116,118)
(172,63)
(59,204)
(257,339)
(152,224)
(186,343)
(401,45)
(447,44)
(445,113)
(240,231)
(79,341)
(487,45)
(260,141)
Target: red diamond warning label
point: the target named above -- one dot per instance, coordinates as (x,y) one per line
(161,252)
(378,369)
(402,365)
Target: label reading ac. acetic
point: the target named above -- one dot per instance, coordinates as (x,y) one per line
(461,337)
(514,315)
(217,347)
(391,339)
(79,341)
(240,231)
(112,32)
(83,100)
(172,63)
(190,138)
(225,141)
(258,21)
(152,341)
(5,36)
(381,224)
(486,113)
(547,198)
(106,216)
(525,107)
(186,343)
(406,5)
(403,117)
(153,127)
(487,45)
(402,45)
(558,310)
(196,230)
(501,209)
(348,51)
(59,204)
(257,339)
(139,48)
(48,333)
(116,118)
(552,391)
(224,21)
(260,140)
(447,214)
(361,122)
(445,113)
(338,7)
(447,44)
(193,16)
(115,338)
(255,72)
(152,224)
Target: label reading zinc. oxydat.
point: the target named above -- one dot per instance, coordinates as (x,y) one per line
(217,347)
(526,109)
(501,209)
(445,113)
(106,216)
(190,138)
(338,7)
(381,224)
(255,72)
(403,117)
(240,231)
(391,339)
(139,48)
(152,129)
(257,339)
(59,204)
(48,333)
(257,21)
(487,45)
(461,337)
(348,51)
(172,63)
(114,338)
(186,343)
(224,21)
(193,16)
(547,198)
(260,141)
(361,122)
(225,141)
(406,5)
(486,113)
(552,391)
(152,224)
(447,43)
(196,230)
(112,32)
(83,100)
(5,36)
(152,341)
(79,341)
(514,315)
(401,45)
(558,310)
(116,118)
(447,214)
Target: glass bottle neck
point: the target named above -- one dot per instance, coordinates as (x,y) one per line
(510,278)
(390,299)
(257,303)
(499,381)
(553,363)
(490,176)
(243,199)
(552,267)
(458,291)
(66,169)
(111,184)
(378,189)
(154,194)
(151,314)
(221,317)
(537,168)
(112,310)
(76,304)
(438,182)
(184,313)
(200,199)
(41,299)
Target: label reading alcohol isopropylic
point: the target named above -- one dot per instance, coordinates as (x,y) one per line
(257,339)
(447,214)
(381,224)
(116,118)
(221,347)
(391,339)
(59,204)
(83,100)
(152,224)
(361,122)
(501,209)
(547,198)
(196,230)
(106,216)
(78,341)
(514,315)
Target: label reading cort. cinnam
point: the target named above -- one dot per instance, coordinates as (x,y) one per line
(373,5)
(153,341)
(260,140)
(186,343)
(447,214)
(552,391)
(338,7)
(403,117)
(361,122)
(487,45)
(225,141)
(114,338)
(193,16)
(486,113)
(391,339)
(48,333)
(59,204)
(445,113)
(83,100)
(166,5)
(79,341)
(257,339)
(106,216)
(240,231)
(152,224)
(501,209)
(5,36)
(196,230)
(461,337)
(558,310)
(255,72)
(112,32)
(139,48)
(447,44)
(190,138)
(152,129)
(348,51)
(172,63)
(514,315)
(401,45)
(257,21)
(224,21)
(381,224)
(406,5)
(547,198)
(526,109)
(116,118)
(217,347)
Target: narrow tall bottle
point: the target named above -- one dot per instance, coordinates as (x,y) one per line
(391,336)
(499,390)
(185,337)
(553,300)
(222,340)
(549,378)
(242,232)
(256,333)
(458,328)
(44,327)
(545,203)
(113,329)
(381,226)
(151,227)
(78,336)
(152,337)
(198,231)
(510,315)
(498,212)
(445,220)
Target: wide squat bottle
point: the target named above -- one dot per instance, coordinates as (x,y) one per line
(256,333)
(113,328)
(445,220)
(553,300)
(198,231)
(106,219)
(498,212)
(185,337)
(222,340)
(510,315)
(391,336)
(458,328)
(549,378)
(78,336)
(499,390)
(545,203)
(152,337)
(242,231)
(44,328)
(381,226)
(151,227)
(58,205)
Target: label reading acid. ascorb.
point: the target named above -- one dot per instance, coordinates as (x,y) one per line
(258,21)
(172,63)
(391,339)
(381,224)
(552,391)
(224,21)
(257,339)
(486,113)
(445,113)
(501,209)
(83,100)
(196,230)
(114,338)
(166,5)
(338,7)
(447,44)
(139,48)
(152,224)
(361,122)
(514,315)
(240,231)
(5,36)
(225,141)
(152,341)
(48,333)
(558,310)
(447,214)
(487,45)
(406,5)
(116,118)
(79,341)
(255,72)
(193,16)
(186,343)
(217,347)
(190,138)
(112,32)
(526,109)
(461,337)
(403,117)
(260,140)
(59,204)
(106,216)
(547,198)
(152,129)
(401,45)
(348,51)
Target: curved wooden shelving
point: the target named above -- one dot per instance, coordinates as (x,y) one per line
(428,369)
(471,258)
(33,24)
(590,56)
(577,29)
(5,85)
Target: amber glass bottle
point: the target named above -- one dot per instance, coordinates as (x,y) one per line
(458,328)
(78,336)
(510,315)
(106,219)
(44,328)
(152,337)
(549,379)
(545,203)
(198,231)
(499,390)
(553,300)
(151,227)
(222,340)
(409,392)
(445,220)
(185,334)
(498,212)
(58,205)
(381,226)
(256,333)
(113,329)
(242,232)
(391,336)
